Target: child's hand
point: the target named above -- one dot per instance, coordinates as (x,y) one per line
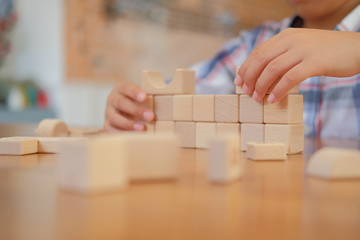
(123,107)
(294,55)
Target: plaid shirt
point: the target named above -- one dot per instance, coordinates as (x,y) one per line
(331,105)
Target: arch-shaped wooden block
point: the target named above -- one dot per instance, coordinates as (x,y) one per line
(152,82)
(52,128)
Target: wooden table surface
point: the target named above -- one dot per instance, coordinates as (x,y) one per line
(273,200)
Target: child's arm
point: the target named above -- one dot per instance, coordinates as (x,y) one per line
(294,55)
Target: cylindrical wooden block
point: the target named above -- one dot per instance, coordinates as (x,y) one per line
(52,128)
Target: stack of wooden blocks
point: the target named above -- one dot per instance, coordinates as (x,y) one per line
(196,119)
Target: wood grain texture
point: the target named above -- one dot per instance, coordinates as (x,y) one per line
(224,164)
(204,108)
(52,128)
(265,151)
(251,111)
(251,133)
(152,82)
(335,163)
(18,146)
(227,108)
(287,110)
(227,128)
(185,131)
(183,107)
(292,135)
(163,107)
(165,127)
(205,131)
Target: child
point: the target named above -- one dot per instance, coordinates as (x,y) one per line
(322,40)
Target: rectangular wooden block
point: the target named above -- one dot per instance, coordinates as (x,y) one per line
(185,131)
(227,108)
(163,107)
(152,157)
(152,82)
(93,165)
(204,108)
(291,135)
(52,144)
(204,133)
(287,110)
(165,127)
(251,111)
(265,151)
(224,164)
(18,146)
(183,107)
(294,90)
(251,133)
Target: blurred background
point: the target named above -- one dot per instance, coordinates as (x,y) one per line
(60,58)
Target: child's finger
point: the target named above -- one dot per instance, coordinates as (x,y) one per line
(132,91)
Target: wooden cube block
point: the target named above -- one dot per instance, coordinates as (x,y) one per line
(291,135)
(224,164)
(251,111)
(265,151)
(152,82)
(149,103)
(251,133)
(335,163)
(185,131)
(204,133)
(227,128)
(93,165)
(18,146)
(227,108)
(164,108)
(204,108)
(52,128)
(152,157)
(165,127)
(183,107)
(287,110)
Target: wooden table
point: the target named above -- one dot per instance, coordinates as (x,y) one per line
(273,200)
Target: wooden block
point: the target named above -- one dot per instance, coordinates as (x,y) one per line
(149,103)
(183,107)
(185,131)
(163,106)
(93,165)
(153,157)
(204,108)
(52,128)
(204,133)
(82,132)
(251,133)
(294,90)
(227,108)
(251,111)
(335,163)
(18,146)
(227,128)
(52,144)
(165,127)
(152,82)
(287,110)
(291,135)
(224,159)
(265,151)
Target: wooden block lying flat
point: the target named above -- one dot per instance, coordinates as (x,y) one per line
(18,146)
(335,163)
(204,108)
(52,128)
(292,135)
(227,108)
(183,107)
(164,108)
(152,82)
(93,165)
(185,131)
(165,127)
(265,151)
(204,133)
(287,110)
(81,132)
(52,144)
(251,133)
(224,159)
(251,111)
(153,157)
